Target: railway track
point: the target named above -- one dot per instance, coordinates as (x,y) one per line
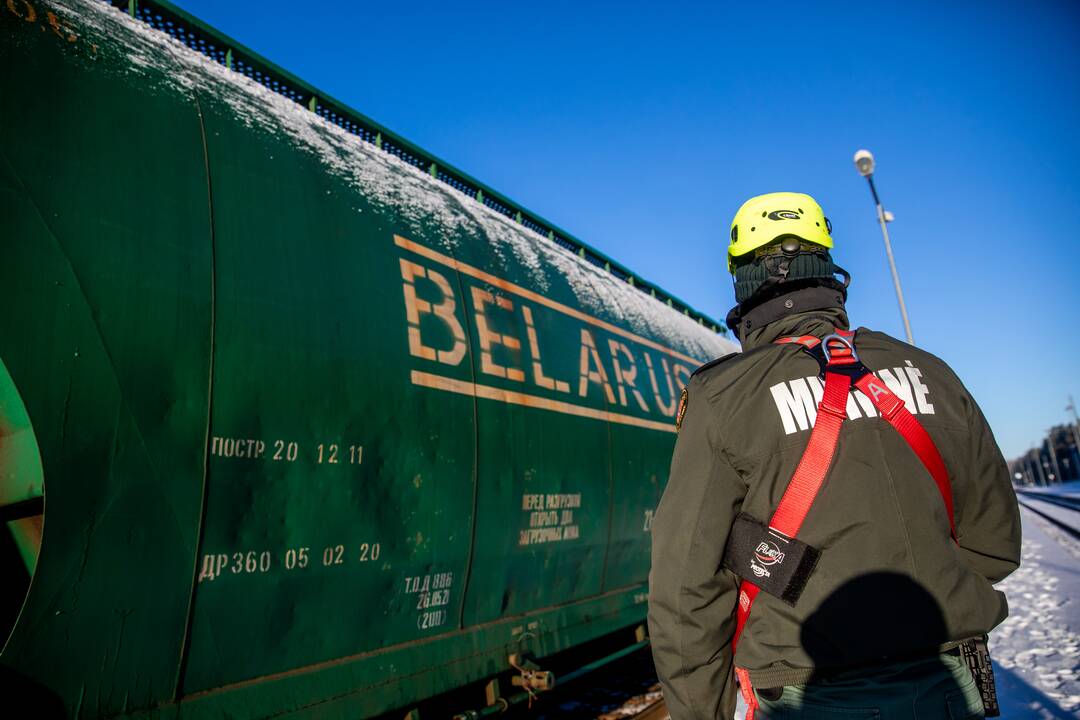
(657,711)
(625,689)
(1037,503)
(649,706)
(1066,501)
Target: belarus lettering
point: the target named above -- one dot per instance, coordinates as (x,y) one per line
(442,306)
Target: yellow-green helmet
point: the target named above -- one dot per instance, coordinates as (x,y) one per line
(764,218)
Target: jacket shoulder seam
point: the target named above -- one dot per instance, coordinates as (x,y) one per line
(740,356)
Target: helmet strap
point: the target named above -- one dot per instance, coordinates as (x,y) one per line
(847,276)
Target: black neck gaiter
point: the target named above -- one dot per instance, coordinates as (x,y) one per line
(761,273)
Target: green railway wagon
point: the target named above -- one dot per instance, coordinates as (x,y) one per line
(295,418)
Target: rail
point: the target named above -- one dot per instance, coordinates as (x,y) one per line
(223,49)
(1025,499)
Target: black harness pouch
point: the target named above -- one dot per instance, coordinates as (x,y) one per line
(777,564)
(977,657)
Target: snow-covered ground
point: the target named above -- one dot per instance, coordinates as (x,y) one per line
(1036,651)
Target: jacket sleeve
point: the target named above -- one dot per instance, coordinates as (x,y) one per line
(987,515)
(691,598)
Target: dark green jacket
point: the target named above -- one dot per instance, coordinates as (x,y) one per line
(890,582)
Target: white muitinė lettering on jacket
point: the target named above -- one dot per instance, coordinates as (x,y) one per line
(797,400)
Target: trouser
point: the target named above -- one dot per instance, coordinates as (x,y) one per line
(939,686)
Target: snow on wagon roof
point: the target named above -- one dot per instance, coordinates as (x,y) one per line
(389,171)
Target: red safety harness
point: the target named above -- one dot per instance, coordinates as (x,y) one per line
(842,369)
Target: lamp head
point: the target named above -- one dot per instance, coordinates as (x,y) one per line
(864,162)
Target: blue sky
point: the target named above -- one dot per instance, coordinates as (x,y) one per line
(641,127)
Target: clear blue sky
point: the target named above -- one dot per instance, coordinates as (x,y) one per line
(641,127)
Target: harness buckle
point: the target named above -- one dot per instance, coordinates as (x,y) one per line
(850,357)
(843,361)
(840,413)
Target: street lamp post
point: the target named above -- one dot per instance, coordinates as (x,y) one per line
(1055,467)
(864,163)
(1075,425)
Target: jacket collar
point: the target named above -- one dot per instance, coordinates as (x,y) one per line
(818,323)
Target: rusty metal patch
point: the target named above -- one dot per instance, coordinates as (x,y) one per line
(682,410)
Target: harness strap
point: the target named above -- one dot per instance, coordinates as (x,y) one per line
(808,341)
(817,458)
(842,369)
(747,690)
(894,412)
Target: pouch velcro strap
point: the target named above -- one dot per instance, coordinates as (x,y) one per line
(777,564)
